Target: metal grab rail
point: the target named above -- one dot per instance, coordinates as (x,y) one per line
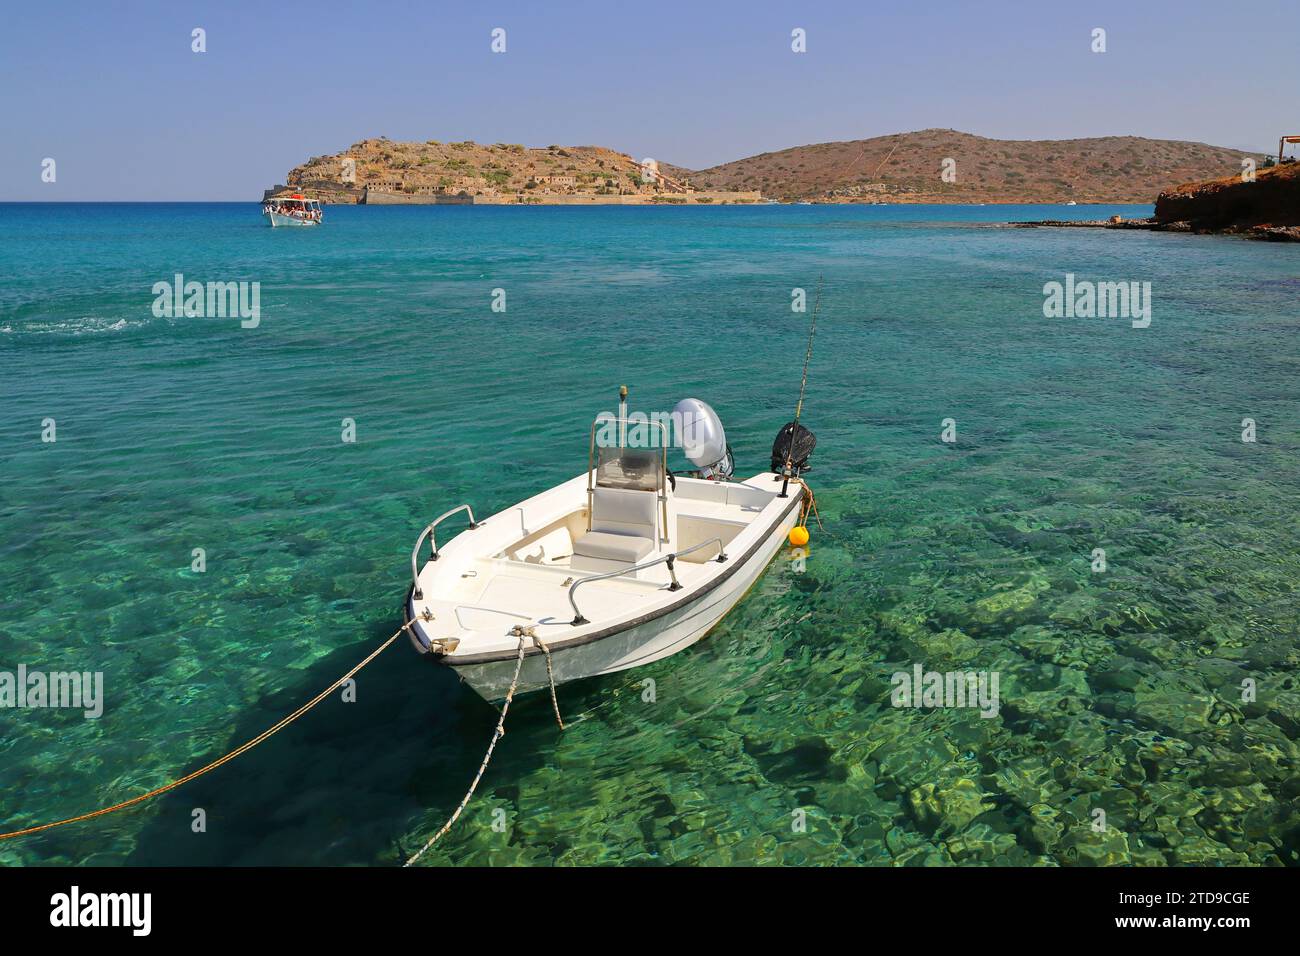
(671,559)
(428,532)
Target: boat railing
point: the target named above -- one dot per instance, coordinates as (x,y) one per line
(433,543)
(669,559)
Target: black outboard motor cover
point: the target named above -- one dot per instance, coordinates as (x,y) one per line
(794,443)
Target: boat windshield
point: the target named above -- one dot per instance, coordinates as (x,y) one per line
(634,469)
(630,454)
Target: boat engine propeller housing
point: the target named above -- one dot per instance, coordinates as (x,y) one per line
(793,446)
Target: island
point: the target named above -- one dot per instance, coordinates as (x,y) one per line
(385,172)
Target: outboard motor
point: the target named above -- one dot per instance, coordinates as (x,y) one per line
(794,444)
(703,440)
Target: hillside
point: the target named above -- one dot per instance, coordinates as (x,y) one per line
(386,171)
(905,167)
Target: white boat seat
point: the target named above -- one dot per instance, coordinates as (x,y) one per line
(611,546)
(623,511)
(623,529)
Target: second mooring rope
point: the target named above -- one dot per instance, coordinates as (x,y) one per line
(524,634)
(501,729)
(550,676)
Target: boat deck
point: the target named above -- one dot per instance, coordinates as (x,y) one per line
(518,567)
(504,592)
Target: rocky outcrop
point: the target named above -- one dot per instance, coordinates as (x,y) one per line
(1269,206)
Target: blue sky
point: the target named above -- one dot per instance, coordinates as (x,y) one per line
(114,94)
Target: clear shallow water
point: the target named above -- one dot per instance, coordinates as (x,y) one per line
(1120,691)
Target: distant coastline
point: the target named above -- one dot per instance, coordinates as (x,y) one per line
(923,167)
(370,196)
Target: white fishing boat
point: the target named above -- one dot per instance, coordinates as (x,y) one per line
(294,210)
(619,566)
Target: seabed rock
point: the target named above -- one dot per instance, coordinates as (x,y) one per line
(1174,711)
(980,844)
(1123,675)
(1045,826)
(947,810)
(924,856)
(949,646)
(1202,851)
(1027,781)
(1083,846)
(1003,606)
(1058,648)
(910,763)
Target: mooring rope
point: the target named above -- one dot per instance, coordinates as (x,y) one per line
(809,505)
(497,734)
(524,634)
(243,748)
(520,630)
(550,676)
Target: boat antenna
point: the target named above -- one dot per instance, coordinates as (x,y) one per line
(622,416)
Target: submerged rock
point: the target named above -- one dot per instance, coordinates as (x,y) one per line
(980,844)
(1083,846)
(949,809)
(1007,605)
(1028,781)
(949,646)
(1045,826)
(1171,710)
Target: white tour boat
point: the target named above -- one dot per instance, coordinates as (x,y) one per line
(294,210)
(622,565)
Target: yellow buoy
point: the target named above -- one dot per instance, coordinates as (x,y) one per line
(798,536)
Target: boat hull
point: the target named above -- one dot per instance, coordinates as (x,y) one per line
(658,635)
(278,219)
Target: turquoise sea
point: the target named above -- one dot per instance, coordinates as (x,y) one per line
(773,741)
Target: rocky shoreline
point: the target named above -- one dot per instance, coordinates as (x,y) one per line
(1263,205)
(1264,233)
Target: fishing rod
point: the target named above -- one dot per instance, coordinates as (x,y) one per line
(790,433)
(807,356)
